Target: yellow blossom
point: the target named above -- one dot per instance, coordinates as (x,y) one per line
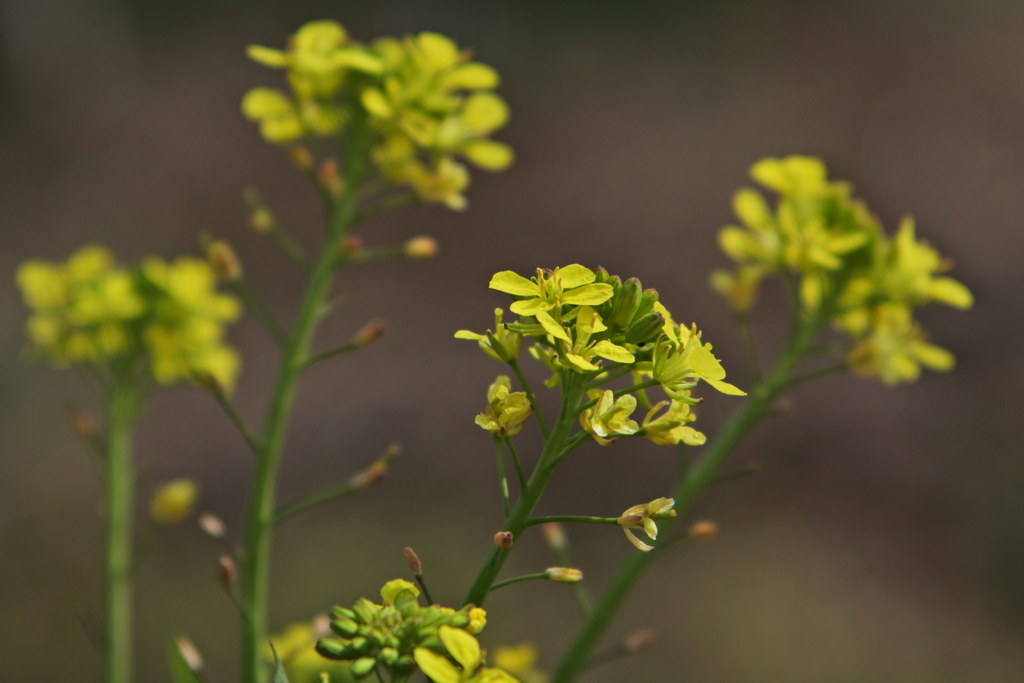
(680,360)
(392,589)
(477,620)
(173,502)
(644,517)
(609,417)
(506,410)
(895,349)
(465,650)
(670,428)
(502,344)
(552,289)
(520,661)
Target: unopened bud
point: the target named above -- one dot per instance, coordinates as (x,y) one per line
(645,328)
(226,572)
(261,220)
(640,640)
(704,531)
(223,261)
(329,179)
(422,247)
(172,502)
(627,300)
(370,476)
(564,575)
(82,423)
(301,157)
(503,539)
(212,525)
(350,246)
(414,561)
(188,652)
(369,333)
(554,534)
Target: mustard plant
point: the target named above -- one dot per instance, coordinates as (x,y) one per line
(127,330)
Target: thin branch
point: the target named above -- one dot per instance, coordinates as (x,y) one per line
(255,444)
(423,586)
(517,579)
(815,374)
(580,519)
(393,202)
(515,460)
(749,350)
(750,469)
(360,480)
(529,395)
(502,480)
(610,376)
(261,312)
(333,353)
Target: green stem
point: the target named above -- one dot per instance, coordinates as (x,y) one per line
(821,372)
(518,579)
(572,519)
(579,588)
(120,480)
(255,579)
(695,480)
(572,392)
(313,500)
(333,353)
(502,480)
(610,376)
(529,395)
(423,586)
(515,461)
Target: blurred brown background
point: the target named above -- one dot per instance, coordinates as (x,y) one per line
(883,539)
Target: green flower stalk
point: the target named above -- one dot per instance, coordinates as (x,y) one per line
(125,328)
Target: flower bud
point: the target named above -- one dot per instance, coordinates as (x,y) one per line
(330,649)
(346,628)
(82,423)
(414,561)
(648,298)
(362,667)
(227,575)
(388,656)
(172,502)
(645,329)
(564,575)
(223,261)
(212,525)
(554,534)
(422,247)
(704,531)
(189,653)
(301,157)
(350,246)
(329,178)
(503,539)
(369,333)
(640,640)
(627,299)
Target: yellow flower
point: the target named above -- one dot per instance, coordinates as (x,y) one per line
(895,349)
(520,661)
(670,428)
(465,650)
(643,517)
(552,289)
(83,310)
(477,620)
(392,589)
(609,417)
(173,502)
(184,335)
(506,410)
(680,360)
(502,344)
(740,287)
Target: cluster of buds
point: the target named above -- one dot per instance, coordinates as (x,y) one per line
(387,635)
(850,271)
(506,410)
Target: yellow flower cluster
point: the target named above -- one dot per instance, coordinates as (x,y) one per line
(591,323)
(849,269)
(426,101)
(91,310)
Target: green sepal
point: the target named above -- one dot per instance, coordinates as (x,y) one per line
(645,329)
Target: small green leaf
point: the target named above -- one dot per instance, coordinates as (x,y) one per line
(279,675)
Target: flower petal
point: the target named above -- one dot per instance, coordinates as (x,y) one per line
(462,646)
(530,306)
(581,362)
(725,387)
(512,283)
(436,667)
(635,541)
(575,275)
(612,352)
(550,325)
(590,295)
(466,334)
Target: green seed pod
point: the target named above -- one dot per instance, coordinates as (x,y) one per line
(626,301)
(645,329)
(388,656)
(362,667)
(342,613)
(331,649)
(346,628)
(405,665)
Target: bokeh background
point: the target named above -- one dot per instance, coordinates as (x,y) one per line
(883,538)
